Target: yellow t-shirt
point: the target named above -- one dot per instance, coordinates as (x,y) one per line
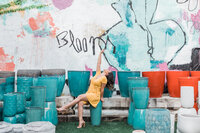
(94,92)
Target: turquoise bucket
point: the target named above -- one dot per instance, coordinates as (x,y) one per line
(10,105)
(50,105)
(21,118)
(60,74)
(140,96)
(130,113)
(1,113)
(51,84)
(10,80)
(107,93)
(23,85)
(95,114)
(2,88)
(78,82)
(11,120)
(139,119)
(38,96)
(50,115)
(34,114)
(21,102)
(157,120)
(123,81)
(136,82)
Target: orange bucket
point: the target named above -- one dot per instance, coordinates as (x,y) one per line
(190,81)
(195,106)
(173,83)
(195,73)
(156,82)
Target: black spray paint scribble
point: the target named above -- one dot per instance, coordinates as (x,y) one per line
(192,4)
(67,38)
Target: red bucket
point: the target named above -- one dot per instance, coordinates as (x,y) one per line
(173,83)
(190,81)
(156,82)
(195,73)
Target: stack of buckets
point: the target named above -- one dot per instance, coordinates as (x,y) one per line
(139,96)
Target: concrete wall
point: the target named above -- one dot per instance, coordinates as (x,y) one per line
(138,34)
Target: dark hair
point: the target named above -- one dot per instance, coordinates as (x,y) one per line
(110,81)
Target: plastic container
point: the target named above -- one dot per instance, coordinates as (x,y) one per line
(34,114)
(173,82)
(139,119)
(78,82)
(107,93)
(136,82)
(60,74)
(23,85)
(10,104)
(130,113)
(188,123)
(140,96)
(189,111)
(195,73)
(38,96)
(95,114)
(18,128)
(156,82)
(190,81)
(1,113)
(51,84)
(28,103)
(157,121)
(21,102)
(51,115)
(187,96)
(6,127)
(11,120)
(39,127)
(2,87)
(10,80)
(123,81)
(21,118)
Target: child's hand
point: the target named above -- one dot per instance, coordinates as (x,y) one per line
(102,51)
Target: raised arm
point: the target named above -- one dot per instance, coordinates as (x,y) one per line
(102,91)
(99,61)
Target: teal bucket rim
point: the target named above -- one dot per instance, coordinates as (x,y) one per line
(158,109)
(140,88)
(33,107)
(138,78)
(10,94)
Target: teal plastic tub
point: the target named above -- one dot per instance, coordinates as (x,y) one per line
(123,81)
(11,120)
(38,96)
(28,103)
(10,84)
(51,84)
(23,85)
(2,88)
(136,82)
(140,96)
(34,114)
(10,105)
(139,119)
(51,115)
(21,118)
(107,93)
(21,102)
(78,82)
(95,114)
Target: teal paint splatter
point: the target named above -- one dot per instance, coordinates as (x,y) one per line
(128,17)
(121,50)
(170,31)
(28,29)
(155,63)
(4,19)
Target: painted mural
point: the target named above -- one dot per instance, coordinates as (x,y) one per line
(137,34)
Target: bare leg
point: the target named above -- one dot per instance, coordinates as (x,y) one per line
(80,115)
(81,97)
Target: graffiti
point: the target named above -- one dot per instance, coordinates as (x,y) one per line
(196,22)
(42,25)
(79,45)
(62,4)
(138,22)
(13,6)
(192,4)
(6,62)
